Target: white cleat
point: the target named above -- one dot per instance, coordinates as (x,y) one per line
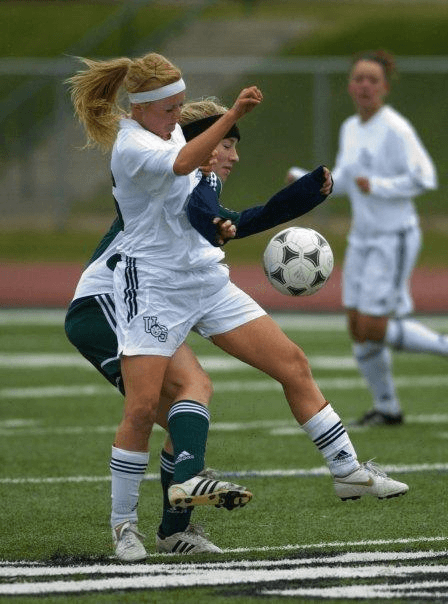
(128,542)
(204,490)
(191,541)
(368,479)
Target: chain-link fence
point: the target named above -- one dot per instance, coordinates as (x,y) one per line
(45,176)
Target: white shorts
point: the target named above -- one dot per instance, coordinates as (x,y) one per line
(156,309)
(377,271)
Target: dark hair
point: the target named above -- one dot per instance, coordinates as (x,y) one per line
(382,57)
(193,129)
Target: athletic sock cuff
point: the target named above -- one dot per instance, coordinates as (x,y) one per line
(189,407)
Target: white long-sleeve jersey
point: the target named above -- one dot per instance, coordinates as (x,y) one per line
(387,150)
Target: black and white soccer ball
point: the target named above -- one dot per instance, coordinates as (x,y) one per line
(298,261)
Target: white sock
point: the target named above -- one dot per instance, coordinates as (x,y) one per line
(413,336)
(375,363)
(127,469)
(329,435)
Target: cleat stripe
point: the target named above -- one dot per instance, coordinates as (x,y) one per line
(206,487)
(213,486)
(198,486)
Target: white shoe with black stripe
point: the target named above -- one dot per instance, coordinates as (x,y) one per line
(204,489)
(191,541)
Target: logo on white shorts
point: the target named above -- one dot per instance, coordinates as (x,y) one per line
(155,329)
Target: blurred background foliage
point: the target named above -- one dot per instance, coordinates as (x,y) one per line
(279,133)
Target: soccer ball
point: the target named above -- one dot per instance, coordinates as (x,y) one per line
(298,261)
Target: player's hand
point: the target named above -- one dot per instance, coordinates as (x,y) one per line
(327,185)
(247,100)
(209,163)
(225,230)
(363,184)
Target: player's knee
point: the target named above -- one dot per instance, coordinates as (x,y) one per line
(195,385)
(298,365)
(200,387)
(140,415)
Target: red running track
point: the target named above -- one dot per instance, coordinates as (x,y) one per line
(52,285)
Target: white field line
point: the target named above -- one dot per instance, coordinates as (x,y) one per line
(36,578)
(22,360)
(386,591)
(274,473)
(10,569)
(342,558)
(276,427)
(286,320)
(261,385)
(189,576)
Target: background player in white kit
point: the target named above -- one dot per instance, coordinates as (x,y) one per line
(170,280)
(381,165)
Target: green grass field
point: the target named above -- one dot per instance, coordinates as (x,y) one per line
(56,427)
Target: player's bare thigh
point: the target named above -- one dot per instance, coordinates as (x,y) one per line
(366,327)
(262,344)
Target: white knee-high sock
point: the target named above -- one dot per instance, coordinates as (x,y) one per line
(413,336)
(127,469)
(330,437)
(375,363)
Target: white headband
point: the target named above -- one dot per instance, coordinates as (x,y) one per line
(159,93)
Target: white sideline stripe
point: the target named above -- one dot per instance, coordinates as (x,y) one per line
(419,589)
(286,320)
(263,385)
(275,427)
(279,473)
(36,316)
(112,576)
(188,576)
(10,569)
(344,557)
(21,360)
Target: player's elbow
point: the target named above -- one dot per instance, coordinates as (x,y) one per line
(182,168)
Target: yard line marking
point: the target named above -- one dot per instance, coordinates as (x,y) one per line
(197,575)
(10,569)
(21,360)
(367,591)
(38,316)
(286,320)
(29,360)
(262,385)
(343,544)
(275,427)
(278,473)
(344,557)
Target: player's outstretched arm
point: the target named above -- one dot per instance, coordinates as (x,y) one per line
(217,223)
(295,200)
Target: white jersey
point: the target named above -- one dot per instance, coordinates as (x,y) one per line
(151,199)
(386,150)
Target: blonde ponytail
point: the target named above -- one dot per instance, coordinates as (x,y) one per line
(95,91)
